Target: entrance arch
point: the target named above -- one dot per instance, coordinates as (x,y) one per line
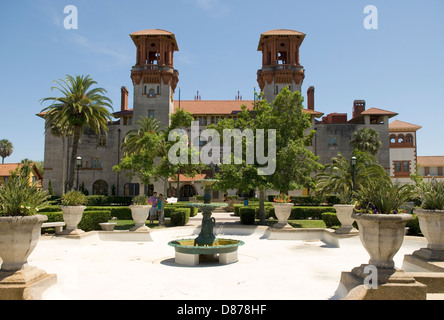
(187,191)
(100,188)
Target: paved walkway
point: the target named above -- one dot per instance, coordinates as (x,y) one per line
(92,268)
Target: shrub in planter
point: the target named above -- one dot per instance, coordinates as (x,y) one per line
(180,216)
(247,215)
(330,219)
(19,222)
(73,204)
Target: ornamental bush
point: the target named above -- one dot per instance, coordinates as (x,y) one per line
(330,219)
(247,215)
(180,216)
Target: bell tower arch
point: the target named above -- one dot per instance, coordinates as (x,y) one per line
(280,62)
(154,77)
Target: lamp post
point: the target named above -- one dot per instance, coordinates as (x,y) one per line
(353,163)
(78,164)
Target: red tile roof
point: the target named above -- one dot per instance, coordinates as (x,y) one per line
(403,126)
(431,161)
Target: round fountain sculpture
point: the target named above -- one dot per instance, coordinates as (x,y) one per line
(206,246)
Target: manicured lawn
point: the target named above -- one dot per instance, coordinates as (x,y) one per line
(302,223)
(128,224)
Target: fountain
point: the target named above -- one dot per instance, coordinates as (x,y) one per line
(206,245)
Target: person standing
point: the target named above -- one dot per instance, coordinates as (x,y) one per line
(153,200)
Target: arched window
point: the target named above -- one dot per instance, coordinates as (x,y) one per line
(100,188)
(409,140)
(392,139)
(400,138)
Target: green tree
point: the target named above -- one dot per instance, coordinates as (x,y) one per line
(294,162)
(6,149)
(337,176)
(146,152)
(366,140)
(80,106)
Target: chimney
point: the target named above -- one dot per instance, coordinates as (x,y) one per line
(124,101)
(310,98)
(358,107)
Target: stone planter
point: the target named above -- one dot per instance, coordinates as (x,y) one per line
(282,212)
(18,238)
(344,213)
(140,215)
(382,235)
(431,223)
(72,217)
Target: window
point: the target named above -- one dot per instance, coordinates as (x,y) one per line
(151,114)
(158,89)
(440,171)
(100,188)
(402,168)
(101,141)
(332,142)
(276,90)
(96,164)
(144,89)
(152,93)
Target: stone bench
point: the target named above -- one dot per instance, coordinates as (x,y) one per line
(57,225)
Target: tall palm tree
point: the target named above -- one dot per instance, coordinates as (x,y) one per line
(6,149)
(79,107)
(366,140)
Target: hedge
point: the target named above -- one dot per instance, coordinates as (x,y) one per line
(90,220)
(310,200)
(180,216)
(247,215)
(330,219)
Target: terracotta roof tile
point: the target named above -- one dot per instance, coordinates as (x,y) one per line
(5,169)
(403,126)
(376,111)
(431,161)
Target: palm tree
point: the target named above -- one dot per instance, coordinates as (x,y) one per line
(366,140)
(134,140)
(337,176)
(79,107)
(6,149)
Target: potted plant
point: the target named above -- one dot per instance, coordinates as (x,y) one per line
(282,209)
(140,209)
(431,219)
(19,222)
(381,222)
(73,204)
(344,178)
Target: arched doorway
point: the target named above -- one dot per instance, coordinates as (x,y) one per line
(187,191)
(100,188)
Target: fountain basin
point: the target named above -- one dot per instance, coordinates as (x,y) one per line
(189,254)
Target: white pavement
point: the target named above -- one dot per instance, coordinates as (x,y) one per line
(95,269)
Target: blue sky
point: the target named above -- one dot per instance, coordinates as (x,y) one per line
(398,67)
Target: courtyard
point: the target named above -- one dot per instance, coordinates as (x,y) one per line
(104,266)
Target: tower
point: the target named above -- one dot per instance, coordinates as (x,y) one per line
(280,62)
(154,77)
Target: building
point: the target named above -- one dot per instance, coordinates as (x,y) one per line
(154,83)
(7,169)
(431,168)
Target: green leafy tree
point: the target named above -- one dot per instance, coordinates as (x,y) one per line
(294,163)
(80,106)
(6,149)
(366,140)
(146,151)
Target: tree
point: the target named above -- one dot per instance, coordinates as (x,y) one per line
(366,140)
(146,151)
(337,176)
(79,107)
(289,127)
(6,149)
